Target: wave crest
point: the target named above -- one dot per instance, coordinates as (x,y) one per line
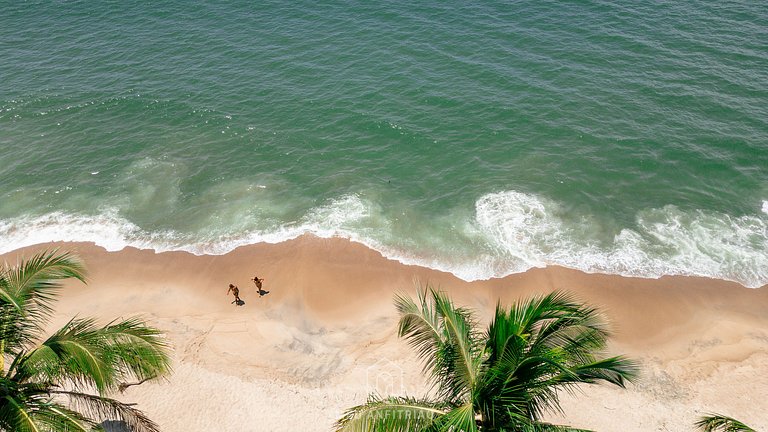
(532,231)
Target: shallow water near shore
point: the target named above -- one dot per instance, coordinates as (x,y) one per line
(480,140)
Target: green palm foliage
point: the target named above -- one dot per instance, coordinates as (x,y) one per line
(502,379)
(721,423)
(60,382)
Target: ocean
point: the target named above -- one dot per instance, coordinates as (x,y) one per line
(481,139)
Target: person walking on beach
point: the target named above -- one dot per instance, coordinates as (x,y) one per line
(258,283)
(236,291)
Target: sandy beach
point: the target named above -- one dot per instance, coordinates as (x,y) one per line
(324,336)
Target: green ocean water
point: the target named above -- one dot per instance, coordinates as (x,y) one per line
(480,139)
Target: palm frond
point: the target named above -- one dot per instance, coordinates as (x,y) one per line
(15,416)
(462,367)
(138,351)
(520,423)
(615,370)
(445,339)
(505,336)
(420,325)
(100,408)
(529,314)
(540,346)
(55,417)
(556,320)
(393,414)
(75,354)
(85,355)
(36,279)
(520,386)
(721,423)
(459,419)
(547,427)
(27,293)
(27,407)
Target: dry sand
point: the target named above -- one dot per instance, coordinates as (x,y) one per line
(324,336)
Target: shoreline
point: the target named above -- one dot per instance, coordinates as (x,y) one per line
(114,233)
(328,318)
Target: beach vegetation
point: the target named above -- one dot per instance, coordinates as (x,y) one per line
(503,378)
(721,423)
(62,381)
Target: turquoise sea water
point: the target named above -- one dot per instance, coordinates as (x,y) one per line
(480,139)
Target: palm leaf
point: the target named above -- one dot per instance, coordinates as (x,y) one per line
(544,427)
(459,419)
(15,415)
(34,282)
(27,293)
(540,346)
(138,351)
(461,366)
(556,320)
(721,423)
(393,414)
(29,407)
(445,340)
(75,354)
(85,355)
(615,370)
(420,325)
(101,408)
(55,417)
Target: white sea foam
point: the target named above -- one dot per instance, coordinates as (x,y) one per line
(113,232)
(510,233)
(532,231)
(106,230)
(765,206)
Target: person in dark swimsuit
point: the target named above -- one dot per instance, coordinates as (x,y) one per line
(236,291)
(258,283)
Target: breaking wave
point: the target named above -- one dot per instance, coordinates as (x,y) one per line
(535,232)
(509,232)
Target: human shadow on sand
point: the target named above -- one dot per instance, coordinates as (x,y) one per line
(114,426)
(262,293)
(239,302)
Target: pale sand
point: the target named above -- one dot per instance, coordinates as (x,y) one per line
(325,336)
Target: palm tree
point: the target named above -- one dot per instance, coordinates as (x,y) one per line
(60,383)
(721,423)
(502,379)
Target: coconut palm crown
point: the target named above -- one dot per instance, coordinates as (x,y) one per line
(503,379)
(61,382)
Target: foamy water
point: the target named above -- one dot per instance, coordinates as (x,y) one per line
(510,232)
